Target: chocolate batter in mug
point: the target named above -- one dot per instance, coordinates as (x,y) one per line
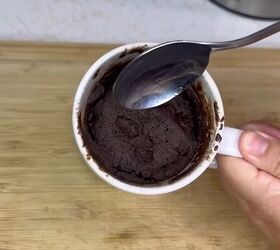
(144,146)
(145,150)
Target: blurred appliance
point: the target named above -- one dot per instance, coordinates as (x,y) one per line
(266,9)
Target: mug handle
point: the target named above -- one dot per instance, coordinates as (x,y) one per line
(229,144)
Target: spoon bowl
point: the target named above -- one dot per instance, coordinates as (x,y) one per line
(160,74)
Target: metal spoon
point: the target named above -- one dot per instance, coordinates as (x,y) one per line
(164,71)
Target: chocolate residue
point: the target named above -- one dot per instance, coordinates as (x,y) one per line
(95,74)
(221,126)
(216,148)
(218,138)
(138,50)
(217,118)
(145,146)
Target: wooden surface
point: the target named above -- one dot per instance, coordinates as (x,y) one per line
(50,200)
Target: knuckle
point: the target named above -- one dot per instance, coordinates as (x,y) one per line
(277,169)
(275,163)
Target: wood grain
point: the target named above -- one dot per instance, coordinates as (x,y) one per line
(50,200)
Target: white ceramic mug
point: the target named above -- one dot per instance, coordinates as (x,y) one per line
(228,145)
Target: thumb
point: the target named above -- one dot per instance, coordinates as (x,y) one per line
(261,150)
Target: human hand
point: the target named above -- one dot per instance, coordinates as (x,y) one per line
(254,182)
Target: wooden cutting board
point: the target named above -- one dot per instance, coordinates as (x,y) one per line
(49,199)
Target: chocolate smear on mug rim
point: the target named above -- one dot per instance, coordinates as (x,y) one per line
(145,147)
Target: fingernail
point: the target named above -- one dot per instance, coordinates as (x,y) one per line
(255,144)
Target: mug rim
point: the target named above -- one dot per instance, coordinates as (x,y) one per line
(145,190)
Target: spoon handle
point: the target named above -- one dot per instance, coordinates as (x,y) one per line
(255,37)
